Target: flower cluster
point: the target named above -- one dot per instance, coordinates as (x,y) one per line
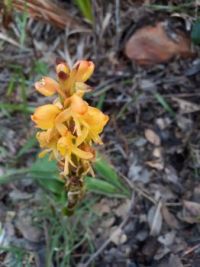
(69,126)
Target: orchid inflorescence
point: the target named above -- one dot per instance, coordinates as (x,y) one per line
(69,126)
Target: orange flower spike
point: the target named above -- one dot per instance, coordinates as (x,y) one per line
(44,116)
(47,86)
(83,70)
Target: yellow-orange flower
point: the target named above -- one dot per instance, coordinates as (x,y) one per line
(82,70)
(69,126)
(48,141)
(47,86)
(44,116)
(95,121)
(67,146)
(79,73)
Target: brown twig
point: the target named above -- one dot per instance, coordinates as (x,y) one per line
(190,250)
(135,188)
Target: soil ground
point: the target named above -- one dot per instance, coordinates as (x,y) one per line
(152,140)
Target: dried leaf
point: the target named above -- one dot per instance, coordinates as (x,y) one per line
(167,239)
(174,261)
(118,237)
(186,106)
(157,152)
(169,218)
(154,44)
(29,231)
(192,207)
(121,210)
(155,219)
(152,137)
(156,164)
(103,207)
(191,212)
(138,173)
(107,223)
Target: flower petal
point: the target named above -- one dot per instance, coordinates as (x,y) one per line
(83,69)
(82,154)
(43,153)
(81,88)
(44,116)
(78,105)
(47,86)
(64,145)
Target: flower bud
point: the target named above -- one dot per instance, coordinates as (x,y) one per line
(63,71)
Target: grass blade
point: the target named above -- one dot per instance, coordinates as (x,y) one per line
(164,104)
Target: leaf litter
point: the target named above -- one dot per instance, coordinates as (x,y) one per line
(152,140)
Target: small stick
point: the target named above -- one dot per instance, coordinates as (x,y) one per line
(190,250)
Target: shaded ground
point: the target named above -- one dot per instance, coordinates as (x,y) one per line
(152,140)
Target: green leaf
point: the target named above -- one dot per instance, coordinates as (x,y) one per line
(13,175)
(55,186)
(164,104)
(85,7)
(27,146)
(46,174)
(105,170)
(44,165)
(16,107)
(195,34)
(102,187)
(40,68)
